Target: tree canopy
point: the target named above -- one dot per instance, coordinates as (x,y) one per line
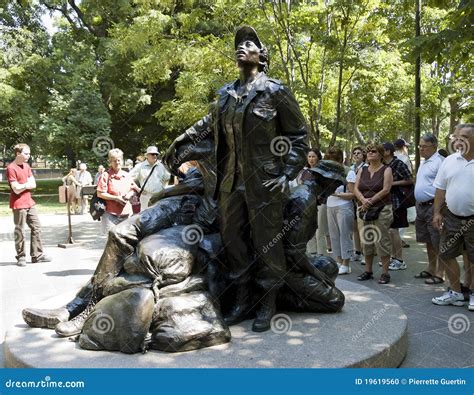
(139,72)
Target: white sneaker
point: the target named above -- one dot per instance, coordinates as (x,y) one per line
(471,302)
(450,298)
(21,261)
(344,269)
(395,264)
(357,257)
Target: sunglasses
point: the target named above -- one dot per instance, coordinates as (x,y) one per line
(372,151)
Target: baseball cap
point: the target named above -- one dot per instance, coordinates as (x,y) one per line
(400,143)
(247,33)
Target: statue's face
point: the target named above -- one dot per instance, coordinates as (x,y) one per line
(247,53)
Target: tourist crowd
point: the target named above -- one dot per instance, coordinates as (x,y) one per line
(366,217)
(363,219)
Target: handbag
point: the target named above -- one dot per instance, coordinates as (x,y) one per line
(407,196)
(97,205)
(371,214)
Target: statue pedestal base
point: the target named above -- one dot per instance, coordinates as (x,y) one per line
(370,331)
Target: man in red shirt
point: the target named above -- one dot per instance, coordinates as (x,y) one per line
(21,180)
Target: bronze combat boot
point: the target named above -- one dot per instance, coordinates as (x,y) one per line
(74,326)
(49,318)
(241,308)
(265,312)
(45,318)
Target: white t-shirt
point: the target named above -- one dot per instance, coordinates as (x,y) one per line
(157,180)
(334,201)
(424,188)
(84,177)
(405,159)
(456,177)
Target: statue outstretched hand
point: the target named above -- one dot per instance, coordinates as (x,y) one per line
(279,182)
(170,160)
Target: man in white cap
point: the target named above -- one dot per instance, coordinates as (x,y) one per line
(154,182)
(84,178)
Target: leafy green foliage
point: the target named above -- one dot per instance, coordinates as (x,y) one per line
(141,72)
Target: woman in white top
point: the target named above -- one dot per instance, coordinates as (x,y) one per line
(341,215)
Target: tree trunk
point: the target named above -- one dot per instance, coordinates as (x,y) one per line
(453,114)
(71,157)
(417,88)
(435,124)
(321,83)
(339,89)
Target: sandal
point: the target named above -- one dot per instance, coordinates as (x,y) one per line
(423,274)
(384,278)
(434,280)
(366,276)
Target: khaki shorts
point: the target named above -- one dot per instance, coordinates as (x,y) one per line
(425,231)
(457,235)
(375,236)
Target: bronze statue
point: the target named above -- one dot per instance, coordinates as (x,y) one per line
(256,117)
(250,258)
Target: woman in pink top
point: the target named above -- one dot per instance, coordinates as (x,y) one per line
(116,187)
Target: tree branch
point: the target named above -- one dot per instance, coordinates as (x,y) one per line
(64,12)
(82,18)
(348,80)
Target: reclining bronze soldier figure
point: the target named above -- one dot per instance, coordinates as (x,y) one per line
(309,284)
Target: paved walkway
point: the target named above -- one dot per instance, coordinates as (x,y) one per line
(432,341)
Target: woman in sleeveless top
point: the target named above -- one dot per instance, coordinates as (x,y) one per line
(70,181)
(372,190)
(359,157)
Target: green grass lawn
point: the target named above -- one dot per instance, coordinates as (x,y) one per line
(44,204)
